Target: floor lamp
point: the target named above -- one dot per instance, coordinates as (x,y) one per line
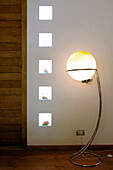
(81,66)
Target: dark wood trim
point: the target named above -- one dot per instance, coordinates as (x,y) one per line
(24,72)
(66,147)
(11,148)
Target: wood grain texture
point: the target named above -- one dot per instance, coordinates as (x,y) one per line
(10,105)
(10,24)
(11,71)
(10,128)
(10,113)
(10,39)
(10,9)
(10,31)
(10,84)
(48,160)
(7,61)
(10,2)
(10,137)
(10,46)
(10,16)
(10,54)
(24,72)
(10,91)
(10,99)
(9,121)
(10,76)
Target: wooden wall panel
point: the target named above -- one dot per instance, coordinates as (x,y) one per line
(10,31)
(10,2)
(7,61)
(11,98)
(14,54)
(10,106)
(10,138)
(10,24)
(10,113)
(10,46)
(11,92)
(9,16)
(10,128)
(10,39)
(7,121)
(11,69)
(10,84)
(10,9)
(10,76)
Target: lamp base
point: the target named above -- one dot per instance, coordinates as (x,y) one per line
(76,155)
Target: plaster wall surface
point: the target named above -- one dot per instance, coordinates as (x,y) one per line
(77,25)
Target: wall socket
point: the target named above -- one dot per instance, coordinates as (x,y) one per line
(80,132)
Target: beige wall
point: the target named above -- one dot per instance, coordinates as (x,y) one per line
(85,25)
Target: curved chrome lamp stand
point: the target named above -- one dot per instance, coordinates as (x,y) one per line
(83,150)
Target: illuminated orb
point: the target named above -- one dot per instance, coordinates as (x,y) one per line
(81,60)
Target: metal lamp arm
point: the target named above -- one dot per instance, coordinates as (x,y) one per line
(77,154)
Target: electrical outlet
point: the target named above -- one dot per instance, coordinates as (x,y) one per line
(80,132)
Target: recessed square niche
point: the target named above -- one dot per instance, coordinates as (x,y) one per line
(45,66)
(45,119)
(45,39)
(45,12)
(45,93)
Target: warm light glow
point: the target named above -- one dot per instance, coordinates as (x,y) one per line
(81,60)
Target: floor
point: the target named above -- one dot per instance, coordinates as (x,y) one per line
(49,160)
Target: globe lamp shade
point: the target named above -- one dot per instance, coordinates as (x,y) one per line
(81,66)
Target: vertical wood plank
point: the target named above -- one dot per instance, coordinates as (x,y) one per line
(10,2)
(11,72)
(24,72)
(10,16)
